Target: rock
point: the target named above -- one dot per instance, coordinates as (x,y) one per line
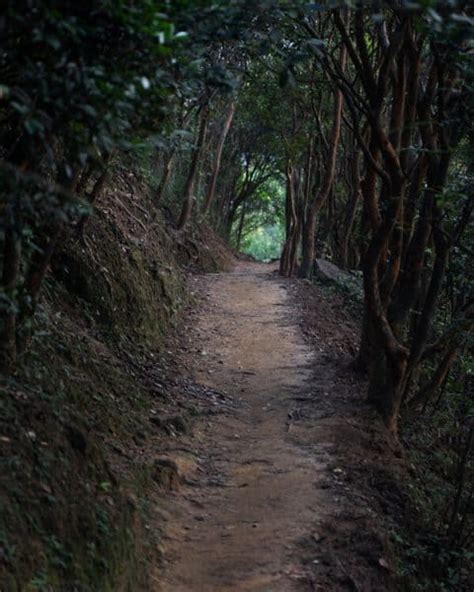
(166,474)
(329,271)
(349,280)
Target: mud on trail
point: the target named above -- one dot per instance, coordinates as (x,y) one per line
(267,501)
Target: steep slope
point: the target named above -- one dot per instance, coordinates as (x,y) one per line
(72,493)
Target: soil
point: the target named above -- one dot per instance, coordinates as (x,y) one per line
(97,396)
(284,484)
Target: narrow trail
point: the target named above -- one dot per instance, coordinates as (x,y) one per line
(257,493)
(248,515)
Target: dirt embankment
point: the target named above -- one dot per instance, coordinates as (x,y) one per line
(77,414)
(368,473)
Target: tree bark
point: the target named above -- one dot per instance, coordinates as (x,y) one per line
(351,212)
(167,170)
(292,222)
(241,225)
(11,270)
(191,180)
(217,164)
(309,226)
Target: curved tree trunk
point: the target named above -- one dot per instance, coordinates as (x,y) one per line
(309,227)
(217,164)
(167,169)
(351,211)
(188,197)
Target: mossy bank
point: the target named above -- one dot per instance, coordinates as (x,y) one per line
(73,498)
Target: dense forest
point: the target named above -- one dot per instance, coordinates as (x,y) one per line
(215,132)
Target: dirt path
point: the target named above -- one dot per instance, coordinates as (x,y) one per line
(256,496)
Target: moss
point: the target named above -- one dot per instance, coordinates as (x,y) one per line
(72,509)
(64,515)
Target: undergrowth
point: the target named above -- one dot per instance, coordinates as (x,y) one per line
(437,541)
(73,498)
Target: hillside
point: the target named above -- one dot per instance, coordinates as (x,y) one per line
(79,409)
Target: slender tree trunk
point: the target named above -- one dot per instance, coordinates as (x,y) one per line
(308,244)
(217,164)
(84,179)
(388,358)
(167,170)
(309,228)
(37,269)
(296,227)
(285,259)
(93,196)
(241,225)
(361,363)
(426,392)
(229,221)
(387,376)
(351,210)
(191,180)
(9,314)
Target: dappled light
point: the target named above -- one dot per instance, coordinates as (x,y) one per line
(259,226)
(263,243)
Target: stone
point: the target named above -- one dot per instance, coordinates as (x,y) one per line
(351,281)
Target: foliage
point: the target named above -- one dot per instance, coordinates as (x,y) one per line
(80,83)
(263,243)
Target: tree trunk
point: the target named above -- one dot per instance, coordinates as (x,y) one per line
(11,271)
(291,219)
(241,225)
(94,195)
(37,269)
(167,169)
(387,375)
(309,227)
(308,244)
(191,180)
(351,210)
(217,164)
